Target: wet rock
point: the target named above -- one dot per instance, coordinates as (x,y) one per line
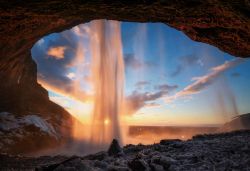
(74,165)
(147,151)
(133,148)
(168,142)
(158,147)
(98,156)
(155,159)
(138,165)
(114,148)
(65,168)
(178,145)
(120,162)
(156,167)
(141,155)
(164,161)
(222,152)
(118,168)
(100,164)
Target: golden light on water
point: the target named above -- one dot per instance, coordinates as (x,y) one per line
(106,121)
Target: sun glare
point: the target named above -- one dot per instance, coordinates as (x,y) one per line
(106,121)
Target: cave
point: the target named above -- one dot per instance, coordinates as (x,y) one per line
(224,25)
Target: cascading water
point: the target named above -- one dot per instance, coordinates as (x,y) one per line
(107,68)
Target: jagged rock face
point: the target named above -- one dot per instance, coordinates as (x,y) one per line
(224,24)
(29,121)
(32,133)
(238,123)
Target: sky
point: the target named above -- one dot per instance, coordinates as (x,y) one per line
(169,78)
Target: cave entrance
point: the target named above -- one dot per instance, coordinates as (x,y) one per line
(170,81)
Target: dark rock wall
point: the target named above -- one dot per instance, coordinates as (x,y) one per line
(222,23)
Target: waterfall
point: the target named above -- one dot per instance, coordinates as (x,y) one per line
(107,67)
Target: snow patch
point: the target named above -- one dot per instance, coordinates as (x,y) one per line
(40,123)
(10,122)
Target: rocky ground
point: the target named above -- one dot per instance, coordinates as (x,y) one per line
(226,151)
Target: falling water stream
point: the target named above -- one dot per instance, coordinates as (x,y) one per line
(107,67)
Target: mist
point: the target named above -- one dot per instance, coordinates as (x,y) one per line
(108,72)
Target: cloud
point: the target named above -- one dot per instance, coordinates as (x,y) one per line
(57,52)
(166,87)
(135,63)
(140,84)
(235,74)
(71,75)
(137,100)
(152,105)
(190,59)
(69,90)
(82,30)
(177,71)
(40,42)
(56,75)
(204,81)
(184,62)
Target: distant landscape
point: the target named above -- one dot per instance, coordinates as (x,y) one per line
(151,134)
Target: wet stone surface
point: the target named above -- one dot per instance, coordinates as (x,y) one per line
(228,151)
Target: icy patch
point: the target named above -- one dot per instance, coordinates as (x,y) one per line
(40,123)
(4,114)
(9,122)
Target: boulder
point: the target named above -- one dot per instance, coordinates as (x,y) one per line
(114,148)
(138,165)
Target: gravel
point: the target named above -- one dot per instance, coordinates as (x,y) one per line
(225,151)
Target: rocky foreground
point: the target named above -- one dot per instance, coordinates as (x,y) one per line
(226,151)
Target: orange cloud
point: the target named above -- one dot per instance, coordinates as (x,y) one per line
(73,91)
(57,52)
(63,81)
(204,81)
